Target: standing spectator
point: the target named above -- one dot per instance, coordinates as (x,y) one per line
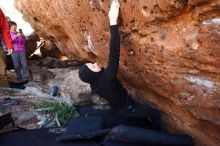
(5,34)
(19,54)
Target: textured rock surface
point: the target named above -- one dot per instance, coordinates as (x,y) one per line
(170,52)
(69,83)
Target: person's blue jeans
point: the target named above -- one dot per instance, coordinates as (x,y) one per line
(20,65)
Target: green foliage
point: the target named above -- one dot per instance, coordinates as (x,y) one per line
(63,111)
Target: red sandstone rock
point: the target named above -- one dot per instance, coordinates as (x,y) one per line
(170,52)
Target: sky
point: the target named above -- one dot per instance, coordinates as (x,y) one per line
(9,10)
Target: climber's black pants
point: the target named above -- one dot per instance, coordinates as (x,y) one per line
(133,109)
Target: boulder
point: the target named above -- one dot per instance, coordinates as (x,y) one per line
(170,53)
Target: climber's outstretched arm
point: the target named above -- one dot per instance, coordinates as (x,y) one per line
(114,54)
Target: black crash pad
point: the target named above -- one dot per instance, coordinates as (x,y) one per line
(84,128)
(38,137)
(138,135)
(111,143)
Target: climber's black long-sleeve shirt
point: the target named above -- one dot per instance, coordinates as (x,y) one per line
(108,86)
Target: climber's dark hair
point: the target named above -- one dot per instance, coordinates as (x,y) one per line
(12,23)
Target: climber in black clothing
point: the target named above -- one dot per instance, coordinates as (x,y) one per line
(105,83)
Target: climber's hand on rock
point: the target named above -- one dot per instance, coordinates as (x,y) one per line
(113,12)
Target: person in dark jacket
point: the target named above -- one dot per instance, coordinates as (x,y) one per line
(105,83)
